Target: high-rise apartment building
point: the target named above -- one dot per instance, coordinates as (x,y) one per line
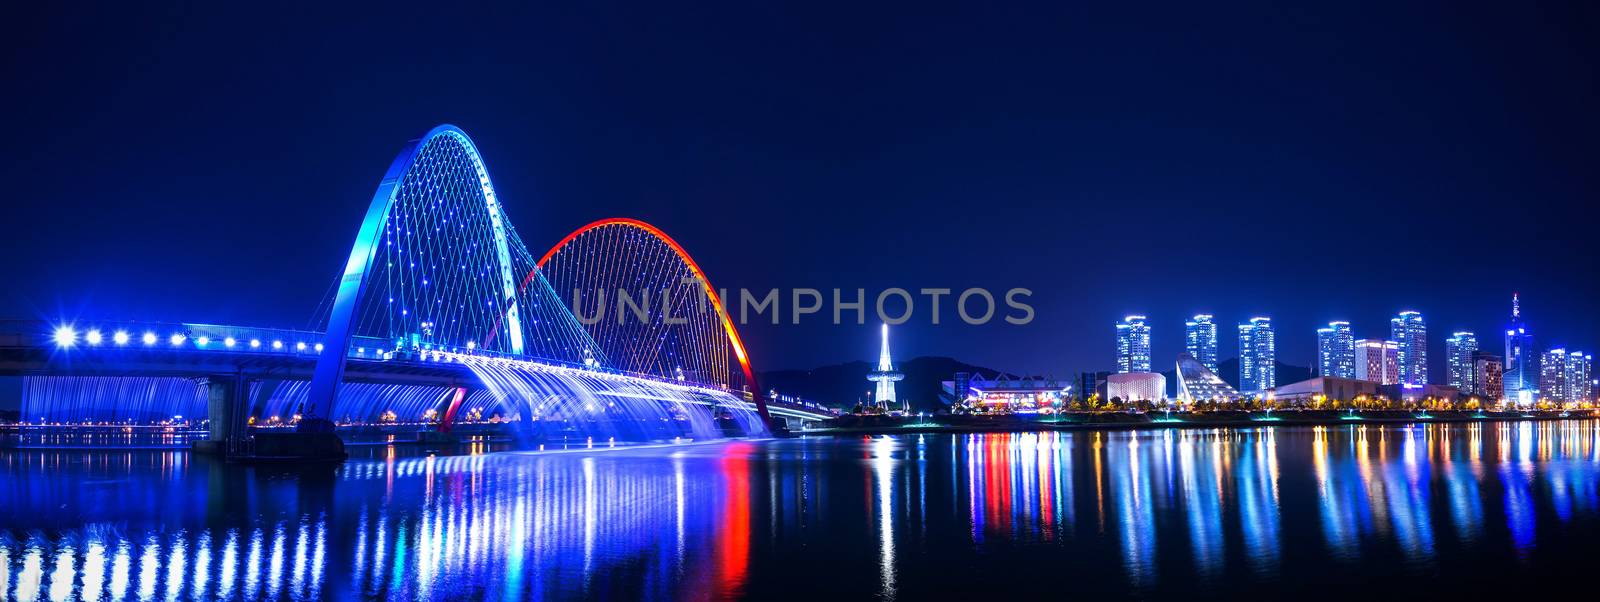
(1200,340)
(1459,352)
(1133,345)
(1488,376)
(1336,351)
(1258,355)
(1411,334)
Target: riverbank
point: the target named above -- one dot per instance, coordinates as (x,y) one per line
(880,425)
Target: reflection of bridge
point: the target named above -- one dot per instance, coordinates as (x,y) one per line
(439,289)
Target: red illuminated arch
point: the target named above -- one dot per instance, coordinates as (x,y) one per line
(694,268)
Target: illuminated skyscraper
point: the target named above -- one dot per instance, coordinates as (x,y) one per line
(1258,354)
(1133,345)
(1579,371)
(1553,375)
(1200,340)
(1378,361)
(1336,351)
(1459,351)
(1521,369)
(1408,331)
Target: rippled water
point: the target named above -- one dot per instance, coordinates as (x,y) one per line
(1239,513)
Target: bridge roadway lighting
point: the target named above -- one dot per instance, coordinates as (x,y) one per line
(255,343)
(300,346)
(93,337)
(318,347)
(65,337)
(176,339)
(203,341)
(228,341)
(149,338)
(277,344)
(120,338)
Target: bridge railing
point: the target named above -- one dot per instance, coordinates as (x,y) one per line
(111,335)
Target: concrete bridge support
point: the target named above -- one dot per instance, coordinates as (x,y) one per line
(226,396)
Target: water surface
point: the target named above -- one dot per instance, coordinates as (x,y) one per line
(1375,511)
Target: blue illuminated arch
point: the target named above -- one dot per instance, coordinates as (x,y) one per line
(330,365)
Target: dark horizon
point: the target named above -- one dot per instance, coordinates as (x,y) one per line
(211,163)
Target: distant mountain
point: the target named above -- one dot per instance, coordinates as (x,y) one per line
(845,384)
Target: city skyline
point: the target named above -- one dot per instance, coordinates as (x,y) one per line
(1392,359)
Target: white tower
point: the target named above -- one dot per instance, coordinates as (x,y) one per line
(885,376)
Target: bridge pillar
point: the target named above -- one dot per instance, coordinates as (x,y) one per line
(225,399)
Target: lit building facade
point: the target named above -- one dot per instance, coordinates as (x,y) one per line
(1459,352)
(1488,376)
(1410,332)
(1200,340)
(1137,386)
(1378,361)
(1565,377)
(1579,372)
(1521,367)
(1133,345)
(1008,395)
(1336,351)
(1553,375)
(1258,355)
(1198,383)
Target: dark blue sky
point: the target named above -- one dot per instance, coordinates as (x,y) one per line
(1342,162)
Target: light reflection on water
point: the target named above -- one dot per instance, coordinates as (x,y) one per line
(1152,512)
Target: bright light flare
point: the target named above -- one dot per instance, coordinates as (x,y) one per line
(65,337)
(149,338)
(120,337)
(176,339)
(93,337)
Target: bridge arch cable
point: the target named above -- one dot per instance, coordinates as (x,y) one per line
(647,305)
(442,264)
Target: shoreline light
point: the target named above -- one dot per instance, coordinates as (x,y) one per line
(120,337)
(149,338)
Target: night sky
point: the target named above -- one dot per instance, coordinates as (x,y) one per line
(211,164)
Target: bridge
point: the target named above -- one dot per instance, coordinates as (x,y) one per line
(441,309)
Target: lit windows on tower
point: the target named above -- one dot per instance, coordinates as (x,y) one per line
(1133,345)
(1459,351)
(1258,354)
(1200,340)
(1410,332)
(1553,375)
(1336,351)
(1378,361)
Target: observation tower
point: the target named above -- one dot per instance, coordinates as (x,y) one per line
(885,376)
